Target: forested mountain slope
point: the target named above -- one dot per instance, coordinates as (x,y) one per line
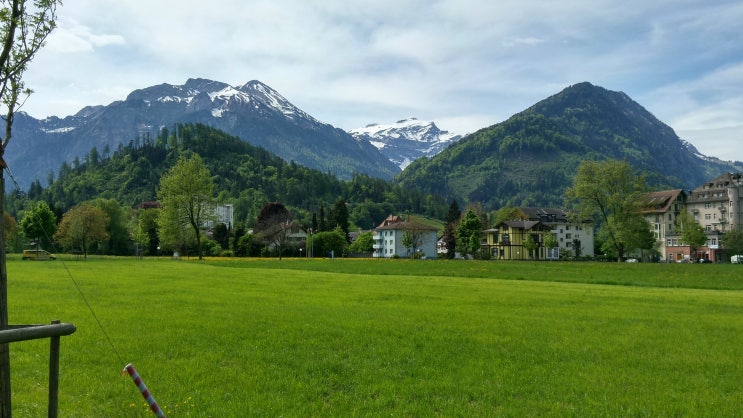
(244,175)
(532,157)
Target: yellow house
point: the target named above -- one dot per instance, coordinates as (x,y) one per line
(510,240)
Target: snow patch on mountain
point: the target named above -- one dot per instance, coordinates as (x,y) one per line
(406,140)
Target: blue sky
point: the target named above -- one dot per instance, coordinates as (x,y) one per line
(465,64)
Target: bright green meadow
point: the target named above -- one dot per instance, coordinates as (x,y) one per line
(410,338)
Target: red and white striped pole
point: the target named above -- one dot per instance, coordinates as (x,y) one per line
(143,390)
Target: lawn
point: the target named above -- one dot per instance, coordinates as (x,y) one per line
(372,338)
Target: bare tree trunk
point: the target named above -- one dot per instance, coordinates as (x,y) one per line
(5,411)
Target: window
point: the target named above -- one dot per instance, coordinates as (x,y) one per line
(668,242)
(670,218)
(708,228)
(707,216)
(568,236)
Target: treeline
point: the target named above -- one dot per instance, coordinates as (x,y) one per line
(244,175)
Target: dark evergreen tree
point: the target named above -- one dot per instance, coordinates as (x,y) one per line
(322,225)
(450,229)
(222,235)
(454,213)
(338,217)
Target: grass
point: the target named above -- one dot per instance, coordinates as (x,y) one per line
(372,337)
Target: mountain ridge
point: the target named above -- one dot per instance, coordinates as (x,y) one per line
(253,111)
(531,157)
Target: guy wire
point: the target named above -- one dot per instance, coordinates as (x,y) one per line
(72,278)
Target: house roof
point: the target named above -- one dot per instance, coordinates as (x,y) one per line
(550,216)
(390,220)
(717,189)
(660,202)
(525,225)
(407,226)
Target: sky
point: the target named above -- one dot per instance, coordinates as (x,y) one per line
(464,64)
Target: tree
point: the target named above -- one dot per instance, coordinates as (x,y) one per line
(692,234)
(186,195)
(338,216)
(138,232)
(117,226)
(330,242)
(530,246)
(147,224)
(25,28)
(273,225)
(610,190)
(644,239)
(364,243)
(39,223)
(450,229)
(508,214)
(468,233)
(10,231)
(450,240)
(222,235)
(550,241)
(82,226)
(733,241)
(454,213)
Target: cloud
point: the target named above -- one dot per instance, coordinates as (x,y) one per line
(72,37)
(350,64)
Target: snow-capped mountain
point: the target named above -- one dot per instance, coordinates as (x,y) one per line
(406,140)
(253,112)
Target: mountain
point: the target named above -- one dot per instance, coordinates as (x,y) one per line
(532,157)
(406,140)
(253,112)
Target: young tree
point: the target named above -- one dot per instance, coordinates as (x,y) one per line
(610,190)
(692,234)
(364,243)
(82,226)
(550,241)
(468,233)
(186,195)
(733,241)
(530,246)
(25,27)
(39,223)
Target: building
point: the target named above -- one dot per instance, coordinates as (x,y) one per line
(390,239)
(718,207)
(574,237)
(510,240)
(660,210)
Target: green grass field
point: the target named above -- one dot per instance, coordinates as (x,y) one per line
(225,338)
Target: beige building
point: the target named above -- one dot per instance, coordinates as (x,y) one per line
(718,207)
(660,210)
